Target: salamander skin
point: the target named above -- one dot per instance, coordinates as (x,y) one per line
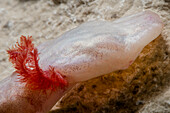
(100,47)
(90,50)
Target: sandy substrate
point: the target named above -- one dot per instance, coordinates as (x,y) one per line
(44,21)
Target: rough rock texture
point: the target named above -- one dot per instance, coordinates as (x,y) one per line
(159,104)
(143,87)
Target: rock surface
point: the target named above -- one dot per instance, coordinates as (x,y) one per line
(143,87)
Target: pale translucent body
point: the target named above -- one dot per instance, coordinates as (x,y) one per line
(100,47)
